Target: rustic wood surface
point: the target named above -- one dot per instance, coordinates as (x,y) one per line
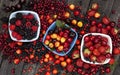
(106,6)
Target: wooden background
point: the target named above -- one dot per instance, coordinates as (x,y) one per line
(106,6)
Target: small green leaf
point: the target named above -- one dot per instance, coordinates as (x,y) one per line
(60,23)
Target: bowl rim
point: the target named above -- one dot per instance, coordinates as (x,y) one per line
(25,12)
(64,53)
(109,43)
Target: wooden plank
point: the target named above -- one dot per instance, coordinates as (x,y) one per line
(3,68)
(83,3)
(19,68)
(29,69)
(105,6)
(114,17)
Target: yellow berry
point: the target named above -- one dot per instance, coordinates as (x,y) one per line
(54,16)
(71,6)
(80,24)
(51,45)
(67,15)
(57,44)
(54,36)
(97,15)
(63,40)
(46,42)
(63,64)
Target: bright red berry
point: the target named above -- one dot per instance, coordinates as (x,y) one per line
(12,27)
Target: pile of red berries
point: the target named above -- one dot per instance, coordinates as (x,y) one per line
(23,26)
(96,48)
(70,64)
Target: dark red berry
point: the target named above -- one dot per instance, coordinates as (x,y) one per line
(34,28)
(18,23)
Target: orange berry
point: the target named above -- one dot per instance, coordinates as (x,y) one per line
(78,47)
(19,43)
(18,51)
(60,48)
(54,16)
(57,56)
(97,15)
(57,62)
(61,58)
(50,21)
(47,55)
(67,15)
(54,36)
(68,60)
(58,38)
(16,61)
(46,42)
(74,22)
(51,45)
(45,59)
(55,71)
(50,58)
(63,64)
(71,6)
(57,44)
(32,56)
(47,73)
(78,42)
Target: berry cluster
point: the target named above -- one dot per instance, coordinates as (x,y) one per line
(96,48)
(23,26)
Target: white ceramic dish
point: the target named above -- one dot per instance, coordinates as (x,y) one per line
(82,45)
(25,12)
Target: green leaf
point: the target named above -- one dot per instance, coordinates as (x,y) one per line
(113,66)
(60,24)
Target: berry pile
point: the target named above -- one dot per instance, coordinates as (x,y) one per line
(96,48)
(23,26)
(60,38)
(71,64)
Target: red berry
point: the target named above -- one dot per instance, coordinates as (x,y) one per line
(105,20)
(70,67)
(34,28)
(12,27)
(93,29)
(102,49)
(88,44)
(107,70)
(76,13)
(28,24)
(91,13)
(18,23)
(30,16)
(14,34)
(112,61)
(86,66)
(96,52)
(18,37)
(86,39)
(79,63)
(47,37)
(4,26)
(116,51)
(101,58)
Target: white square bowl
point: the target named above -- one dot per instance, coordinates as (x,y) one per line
(82,45)
(25,12)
